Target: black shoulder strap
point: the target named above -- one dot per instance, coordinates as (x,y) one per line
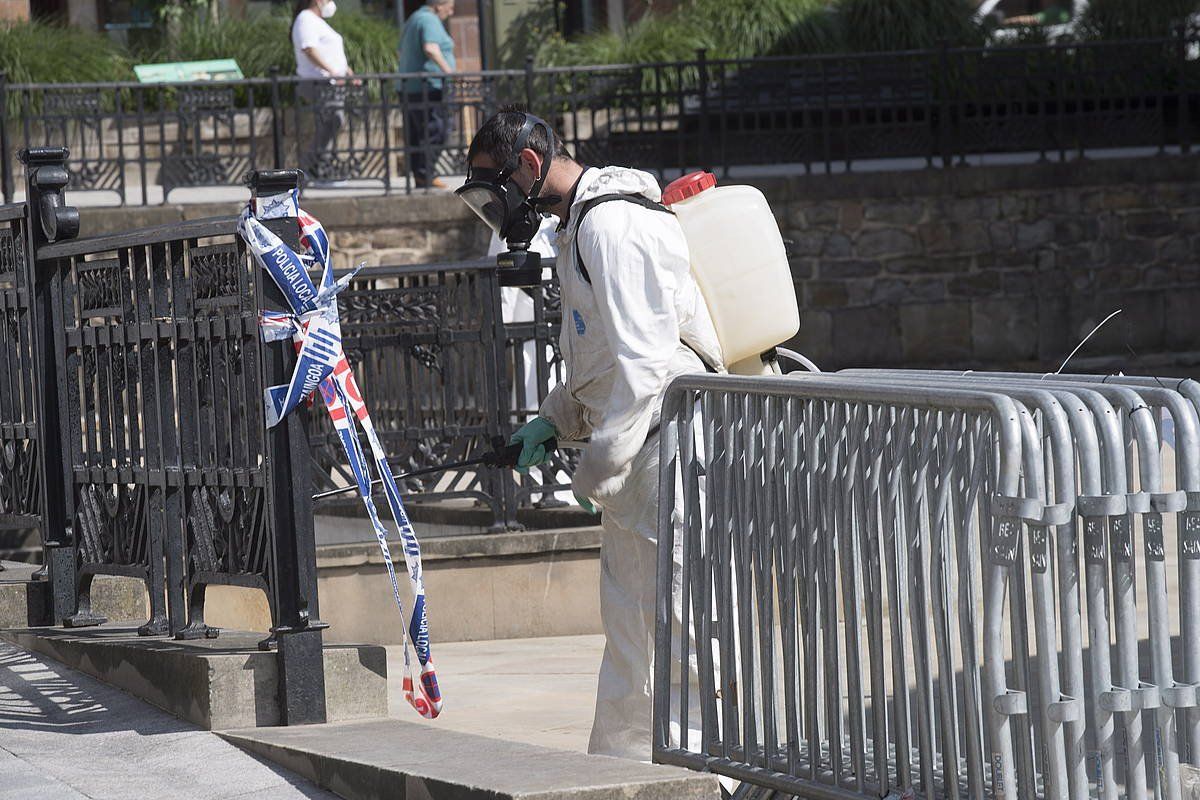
(588,205)
(644,202)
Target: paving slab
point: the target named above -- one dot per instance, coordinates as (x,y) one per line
(65,736)
(537,691)
(379,759)
(225,682)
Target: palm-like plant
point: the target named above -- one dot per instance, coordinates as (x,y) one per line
(891,25)
(1135,19)
(736,29)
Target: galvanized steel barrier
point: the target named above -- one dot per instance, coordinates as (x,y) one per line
(885,570)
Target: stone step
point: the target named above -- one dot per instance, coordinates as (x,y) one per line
(520,584)
(378,759)
(23,599)
(226,682)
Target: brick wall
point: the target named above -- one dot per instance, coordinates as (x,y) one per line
(14,10)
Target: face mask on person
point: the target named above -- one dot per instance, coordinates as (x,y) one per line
(500,202)
(328,9)
(508,210)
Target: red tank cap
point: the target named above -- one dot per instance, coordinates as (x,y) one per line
(688,186)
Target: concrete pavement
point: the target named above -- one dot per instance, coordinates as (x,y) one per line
(64,736)
(534,691)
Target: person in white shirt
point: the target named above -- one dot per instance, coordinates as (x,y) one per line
(320,55)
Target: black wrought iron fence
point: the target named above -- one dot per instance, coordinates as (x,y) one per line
(448,360)
(142,143)
(132,428)
(20,471)
(145,369)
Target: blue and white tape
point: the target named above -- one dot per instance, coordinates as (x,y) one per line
(315,329)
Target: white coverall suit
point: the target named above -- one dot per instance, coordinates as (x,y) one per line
(621,341)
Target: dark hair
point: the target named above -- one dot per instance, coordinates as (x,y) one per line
(498,135)
(297,7)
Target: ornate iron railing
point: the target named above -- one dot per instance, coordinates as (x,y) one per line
(148,370)
(20,478)
(132,428)
(924,108)
(445,372)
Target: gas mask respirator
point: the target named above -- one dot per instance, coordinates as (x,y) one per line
(515,216)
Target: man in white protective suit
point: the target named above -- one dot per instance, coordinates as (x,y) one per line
(633,319)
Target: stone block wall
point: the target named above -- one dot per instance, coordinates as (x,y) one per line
(424,227)
(995,266)
(981,267)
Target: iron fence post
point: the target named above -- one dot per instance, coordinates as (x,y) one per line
(6,187)
(702,88)
(1185,109)
(49,219)
(495,333)
(297,615)
(943,138)
(529,83)
(276,121)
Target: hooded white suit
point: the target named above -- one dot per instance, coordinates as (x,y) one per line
(621,341)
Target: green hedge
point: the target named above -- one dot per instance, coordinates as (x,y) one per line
(870,26)
(747,28)
(36,52)
(1135,19)
(263,41)
(256,43)
(727,28)
(42,53)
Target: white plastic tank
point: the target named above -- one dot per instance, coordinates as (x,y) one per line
(739,261)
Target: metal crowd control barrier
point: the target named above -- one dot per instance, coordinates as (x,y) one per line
(883,567)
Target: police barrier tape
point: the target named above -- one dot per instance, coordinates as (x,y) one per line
(314,327)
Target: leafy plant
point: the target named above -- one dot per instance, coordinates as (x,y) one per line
(257,43)
(262,41)
(370,41)
(534,25)
(38,52)
(890,25)
(737,29)
(1135,19)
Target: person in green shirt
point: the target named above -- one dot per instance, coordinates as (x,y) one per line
(426,47)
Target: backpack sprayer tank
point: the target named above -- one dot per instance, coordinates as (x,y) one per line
(740,263)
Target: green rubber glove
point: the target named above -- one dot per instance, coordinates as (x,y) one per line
(586,504)
(532,437)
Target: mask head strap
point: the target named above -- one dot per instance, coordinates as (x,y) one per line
(519,144)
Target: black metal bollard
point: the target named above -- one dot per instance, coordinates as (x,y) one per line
(297,630)
(50,220)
